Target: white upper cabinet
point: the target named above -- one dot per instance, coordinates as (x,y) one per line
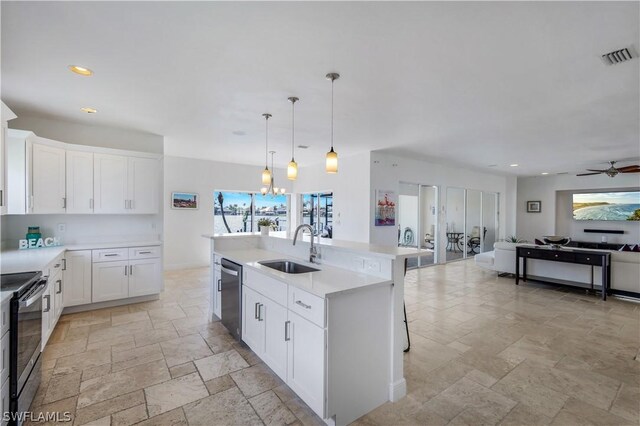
(3,171)
(79,182)
(110,183)
(48,179)
(143,182)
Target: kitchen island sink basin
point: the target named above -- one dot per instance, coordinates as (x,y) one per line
(288,267)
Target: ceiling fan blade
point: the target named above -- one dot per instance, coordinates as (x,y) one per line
(599,171)
(631,171)
(588,174)
(634,167)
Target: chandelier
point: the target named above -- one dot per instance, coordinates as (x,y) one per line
(272,189)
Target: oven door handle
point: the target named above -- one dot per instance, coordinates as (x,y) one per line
(229,271)
(34,296)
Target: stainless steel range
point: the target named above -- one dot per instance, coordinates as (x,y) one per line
(25,337)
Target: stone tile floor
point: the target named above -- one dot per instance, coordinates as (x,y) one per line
(483,351)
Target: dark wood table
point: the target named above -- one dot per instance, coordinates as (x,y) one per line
(581,257)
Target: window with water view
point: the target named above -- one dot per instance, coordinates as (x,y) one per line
(317,211)
(240,211)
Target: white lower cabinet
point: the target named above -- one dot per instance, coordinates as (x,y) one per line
(145,277)
(293,347)
(110,281)
(306,361)
(77,278)
(5,400)
(58,297)
(120,273)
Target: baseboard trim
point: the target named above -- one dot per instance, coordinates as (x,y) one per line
(110,304)
(397,390)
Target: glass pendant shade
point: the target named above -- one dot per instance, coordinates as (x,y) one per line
(331,165)
(292,170)
(266,176)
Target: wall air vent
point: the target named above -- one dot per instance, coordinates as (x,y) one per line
(616,56)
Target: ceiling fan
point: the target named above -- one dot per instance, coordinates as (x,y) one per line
(613,171)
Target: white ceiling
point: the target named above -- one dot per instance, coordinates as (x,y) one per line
(475,83)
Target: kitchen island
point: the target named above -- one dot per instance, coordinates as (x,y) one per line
(335,335)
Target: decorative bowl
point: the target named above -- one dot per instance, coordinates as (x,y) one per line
(556,241)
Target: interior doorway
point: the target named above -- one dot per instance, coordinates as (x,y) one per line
(418,221)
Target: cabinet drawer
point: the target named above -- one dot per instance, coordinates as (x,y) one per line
(307,306)
(110,255)
(144,252)
(56,266)
(267,286)
(532,254)
(588,259)
(560,256)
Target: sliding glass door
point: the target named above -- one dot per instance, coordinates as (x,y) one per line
(417,221)
(472,222)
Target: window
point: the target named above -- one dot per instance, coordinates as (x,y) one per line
(240,211)
(317,211)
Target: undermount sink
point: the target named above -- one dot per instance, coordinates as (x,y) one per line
(287,266)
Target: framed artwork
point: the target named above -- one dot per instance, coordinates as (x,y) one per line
(534,206)
(385,207)
(184,200)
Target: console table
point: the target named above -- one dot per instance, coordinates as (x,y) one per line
(582,257)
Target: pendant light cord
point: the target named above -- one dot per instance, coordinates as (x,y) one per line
(332,80)
(293,124)
(266,142)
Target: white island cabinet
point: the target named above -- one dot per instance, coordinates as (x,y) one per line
(320,346)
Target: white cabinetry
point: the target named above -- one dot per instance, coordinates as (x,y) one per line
(277,333)
(110,183)
(110,281)
(79,182)
(7,115)
(216,288)
(77,278)
(143,177)
(53,298)
(120,273)
(145,277)
(48,179)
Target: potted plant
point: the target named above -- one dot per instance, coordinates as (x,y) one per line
(265,224)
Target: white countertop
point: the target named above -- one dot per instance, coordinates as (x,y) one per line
(376,249)
(14,260)
(329,281)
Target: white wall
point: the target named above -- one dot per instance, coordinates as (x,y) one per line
(82,134)
(387,171)
(184,245)
(556,216)
(351,194)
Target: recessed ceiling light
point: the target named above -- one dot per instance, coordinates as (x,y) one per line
(89,110)
(513,165)
(544,173)
(81,70)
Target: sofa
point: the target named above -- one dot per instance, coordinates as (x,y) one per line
(625,268)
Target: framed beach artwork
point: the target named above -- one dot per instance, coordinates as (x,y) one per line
(385,207)
(184,200)
(534,206)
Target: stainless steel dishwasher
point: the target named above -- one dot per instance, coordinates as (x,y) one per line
(231,293)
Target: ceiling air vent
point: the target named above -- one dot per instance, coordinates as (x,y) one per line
(617,56)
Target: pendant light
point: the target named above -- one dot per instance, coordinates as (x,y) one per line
(292,168)
(331,165)
(266,174)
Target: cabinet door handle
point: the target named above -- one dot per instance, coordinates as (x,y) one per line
(130,269)
(126,268)
(219,284)
(131,204)
(59,282)
(64,264)
(287,336)
(48,299)
(145,252)
(304,305)
(64,202)
(1,200)
(91,203)
(110,254)
(260,312)
(56,266)
(255,311)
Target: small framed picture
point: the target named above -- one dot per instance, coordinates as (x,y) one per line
(534,206)
(184,200)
